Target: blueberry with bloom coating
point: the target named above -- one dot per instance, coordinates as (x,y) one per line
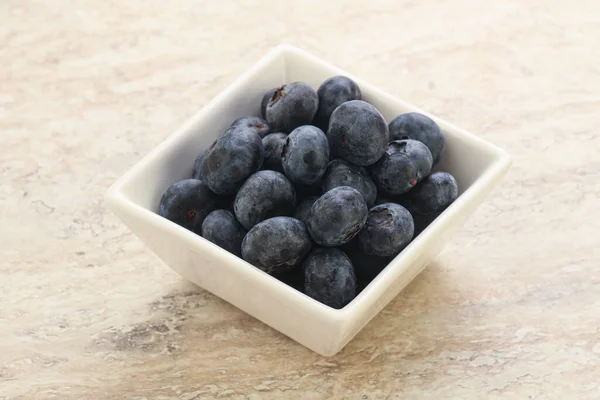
(305,155)
(187,203)
(292,105)
(419,127)
(264,195)
(403,165)
(337,216)
(329,277)
(233,157)
(357,133)
(433,195)
(223,229)
(388,230)
(276,245)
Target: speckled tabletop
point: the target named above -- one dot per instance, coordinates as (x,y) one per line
(510,309)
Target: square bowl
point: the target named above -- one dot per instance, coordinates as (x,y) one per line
(134,198)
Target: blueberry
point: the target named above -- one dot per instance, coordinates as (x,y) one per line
(388,230)
(291,106)
(357,133)
(264,195)
(419,127)
(265,100)
(305,155)
(276,245)
(198,165)
(234,156)
(433,195)
(341,173)
(332,93)
(304,208)
(187,203)
(329,277)
(273,145)
(403,165)
(221,228)
(337,216)
(259,125)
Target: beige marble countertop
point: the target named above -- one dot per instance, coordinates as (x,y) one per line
(510,309)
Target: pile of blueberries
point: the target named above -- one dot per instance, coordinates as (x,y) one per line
(320,192)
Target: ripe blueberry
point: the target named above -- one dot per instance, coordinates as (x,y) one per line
(264,195)
(357,133)
(337,216)
(419,127)
(187,203)
(276,245)
(329,277)
(388,230)
(433,195)
(236,155)
(403,165)
(221,228)
(305,155)
(291,106)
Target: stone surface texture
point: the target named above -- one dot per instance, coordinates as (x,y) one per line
(510,309)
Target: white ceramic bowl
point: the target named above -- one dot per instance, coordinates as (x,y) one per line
(476,164)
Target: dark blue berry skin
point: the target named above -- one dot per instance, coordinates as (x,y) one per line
(388,230)
(329,277)
(342,173)
(419,127)
(276,245)
(273,146)
(258,124)
(305,155)
(292,105)
(265,100)
(337,216)
(304,207)
(264,195)
(221,228)
(236,155)
(403,165)
(433,195)
(357,133)
(332,93)
(198,165)
(187,203)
